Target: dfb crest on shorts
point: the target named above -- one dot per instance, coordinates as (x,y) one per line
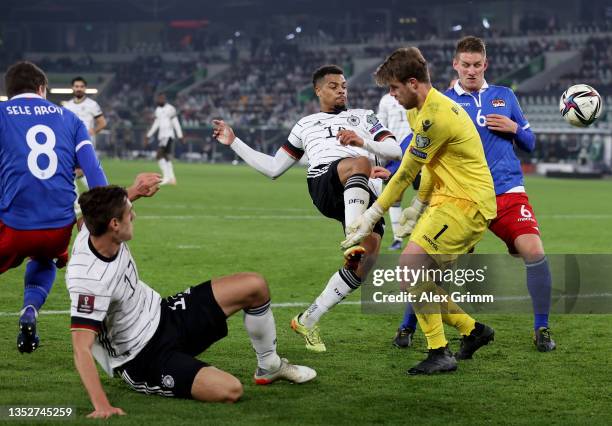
(353,120)
(168,381)
(422,141)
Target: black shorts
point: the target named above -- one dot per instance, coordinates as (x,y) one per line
(165,149)
(327,193)
(190,322)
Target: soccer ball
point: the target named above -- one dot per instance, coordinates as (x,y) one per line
(580,105)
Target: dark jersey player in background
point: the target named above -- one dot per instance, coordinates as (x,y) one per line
(501,124)
(41,144)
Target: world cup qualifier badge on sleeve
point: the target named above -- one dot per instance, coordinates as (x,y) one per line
(86,303)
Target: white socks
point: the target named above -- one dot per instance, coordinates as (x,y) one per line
(340,285)
(170,170)
(356,198)
(162,165)
(260,326)
(395,213)
(167,170)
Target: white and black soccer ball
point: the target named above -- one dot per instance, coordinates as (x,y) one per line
(580,105)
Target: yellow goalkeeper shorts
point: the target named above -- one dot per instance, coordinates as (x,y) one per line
(449,227)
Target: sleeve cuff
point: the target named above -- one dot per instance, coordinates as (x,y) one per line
(80,323)
(294,152)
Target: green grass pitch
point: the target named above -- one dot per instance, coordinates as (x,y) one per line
(222,219)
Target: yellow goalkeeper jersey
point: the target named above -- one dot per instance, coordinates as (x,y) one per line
(447,144)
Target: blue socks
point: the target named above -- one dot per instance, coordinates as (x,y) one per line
(539,284)
(39,278)
(410,319)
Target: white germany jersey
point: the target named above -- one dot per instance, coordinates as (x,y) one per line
(316,136)
(107,297)
(87,110)
(166,123)
(393,116)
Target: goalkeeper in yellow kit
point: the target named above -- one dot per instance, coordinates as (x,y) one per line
(448,148)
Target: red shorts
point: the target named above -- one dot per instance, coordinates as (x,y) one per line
(17,245)
(515,217)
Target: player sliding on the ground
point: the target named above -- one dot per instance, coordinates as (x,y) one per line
(41,144)
(446,145)
(342,146)
(152,342)
(500,121)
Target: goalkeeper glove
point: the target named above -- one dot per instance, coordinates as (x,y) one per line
(362,227)
(410,216)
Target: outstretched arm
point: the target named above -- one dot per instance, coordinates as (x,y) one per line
(268,165)
(426,186)
(145,185)
(82,341)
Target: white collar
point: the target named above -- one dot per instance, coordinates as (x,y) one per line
(460,91)
(26,95)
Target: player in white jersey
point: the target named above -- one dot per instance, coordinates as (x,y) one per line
(395,118)
(343,147)
(91,115)
(149,341)
(85,108)
(168,129)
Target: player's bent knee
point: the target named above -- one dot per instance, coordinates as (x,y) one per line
(362,165)
(214,385)
(234,392)
(254,288)
(259,287)
(530,247)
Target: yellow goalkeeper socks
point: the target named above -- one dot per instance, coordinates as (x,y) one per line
(433,328)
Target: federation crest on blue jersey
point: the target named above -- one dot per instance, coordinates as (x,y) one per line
(498,103)
(353,120)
